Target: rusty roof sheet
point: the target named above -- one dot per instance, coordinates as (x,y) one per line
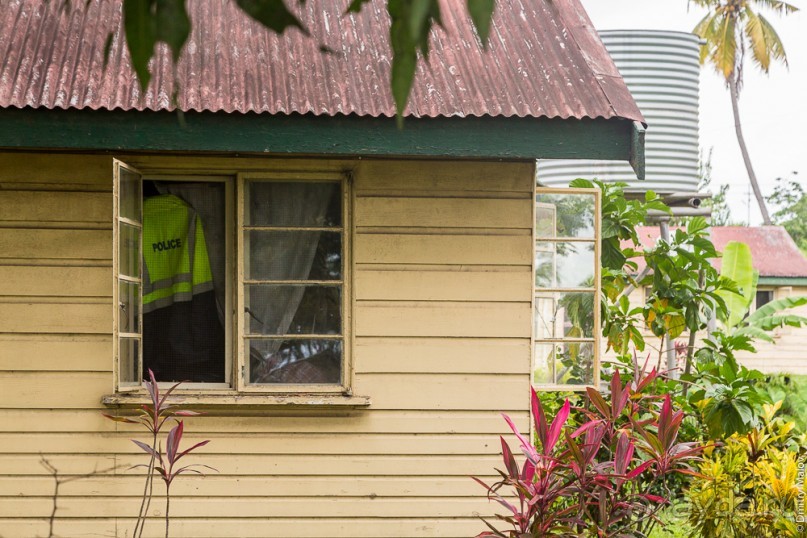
(544,60)
(773,251)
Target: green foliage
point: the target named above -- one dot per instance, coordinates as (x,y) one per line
(725,393)
(791,390)
(146,22)
(791,202)
(623,216)
(738,267)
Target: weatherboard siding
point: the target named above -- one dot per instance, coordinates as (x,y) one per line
(788,352)
(442,286)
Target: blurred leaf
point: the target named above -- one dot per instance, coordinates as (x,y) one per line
(482,13)
(737,266)
(139,25)
(172,25)
(356,5)
(271,13)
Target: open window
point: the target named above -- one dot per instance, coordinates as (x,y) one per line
(231,284)
(566,312)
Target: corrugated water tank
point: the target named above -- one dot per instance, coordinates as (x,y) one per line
(662,71)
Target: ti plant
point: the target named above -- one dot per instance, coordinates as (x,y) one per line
(153,417)
(605,480)
(167,463)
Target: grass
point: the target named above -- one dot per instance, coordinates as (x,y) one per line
(675,522)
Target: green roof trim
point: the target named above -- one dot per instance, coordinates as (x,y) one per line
(782,281)
(484,137)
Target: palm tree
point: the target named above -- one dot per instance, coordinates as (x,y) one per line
(730,29)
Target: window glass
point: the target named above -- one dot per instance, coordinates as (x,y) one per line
(293,309)
(564,265)
(295,361)
(294,204)
(564,363)
(130,206)
(559,315)
(129,362)
(293,255)
(763,297)
(129,250)
(564,215)
(296,281)
(129,302)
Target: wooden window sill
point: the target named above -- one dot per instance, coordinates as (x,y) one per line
(244,400)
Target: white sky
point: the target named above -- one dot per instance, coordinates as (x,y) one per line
(773,108)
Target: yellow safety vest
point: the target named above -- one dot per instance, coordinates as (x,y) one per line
(177,266)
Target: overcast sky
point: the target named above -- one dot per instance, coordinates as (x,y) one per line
(773,108)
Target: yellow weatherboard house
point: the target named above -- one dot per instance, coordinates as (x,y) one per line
(349,303)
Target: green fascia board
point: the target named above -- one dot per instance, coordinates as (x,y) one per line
(484,137)
(782,281)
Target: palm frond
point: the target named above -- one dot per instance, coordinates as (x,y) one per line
(774,42)
(724,53)
(777,6)
(760,52)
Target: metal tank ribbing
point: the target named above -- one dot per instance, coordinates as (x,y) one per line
(661,69)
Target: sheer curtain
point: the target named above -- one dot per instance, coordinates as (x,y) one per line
(285,255)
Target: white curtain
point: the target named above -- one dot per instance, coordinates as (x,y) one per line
(280,255)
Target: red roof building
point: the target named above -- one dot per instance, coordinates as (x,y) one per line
(775,254)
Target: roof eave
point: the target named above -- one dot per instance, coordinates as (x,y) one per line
(510,138)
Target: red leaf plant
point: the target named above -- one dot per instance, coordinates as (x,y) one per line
(167,462)
(603,480)
(153,417)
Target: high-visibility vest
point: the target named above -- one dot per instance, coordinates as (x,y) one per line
(176,263)
(183,338)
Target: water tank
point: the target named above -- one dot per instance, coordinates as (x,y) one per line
(661,69)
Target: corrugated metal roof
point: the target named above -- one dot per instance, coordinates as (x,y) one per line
(773,251)
(544,60)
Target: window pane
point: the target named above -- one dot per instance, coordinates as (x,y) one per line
(763,297)
(130,195)
(564,215)
(129,251)
(281,310)
(291,255)
(129,362)
(559,315)
(564,265)
(295,361)
(545,266)
(302,203)
(544,370)
(567,363)
(129,315)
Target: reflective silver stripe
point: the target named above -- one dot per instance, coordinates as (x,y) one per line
(179,297)
(182,297)
(203,287)
(149,287)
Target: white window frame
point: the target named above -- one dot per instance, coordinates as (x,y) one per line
(596,289)
(235,337)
